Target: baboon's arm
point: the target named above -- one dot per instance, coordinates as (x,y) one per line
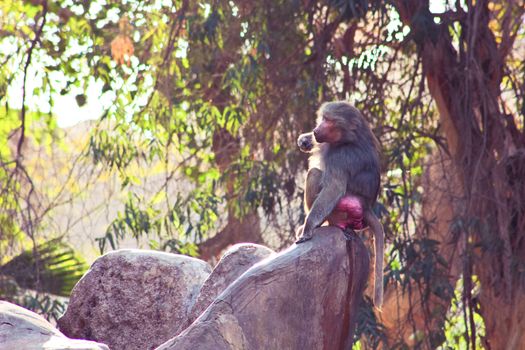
(323,205)
(313,187)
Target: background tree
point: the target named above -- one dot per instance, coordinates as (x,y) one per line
(209,96)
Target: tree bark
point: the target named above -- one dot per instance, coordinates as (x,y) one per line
(236,230)
(405,312)
(226,148)
(487,152)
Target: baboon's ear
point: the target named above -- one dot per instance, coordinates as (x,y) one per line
(354,122)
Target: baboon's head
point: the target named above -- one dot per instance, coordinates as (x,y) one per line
(339,122)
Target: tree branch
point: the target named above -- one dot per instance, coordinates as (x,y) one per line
(30,51)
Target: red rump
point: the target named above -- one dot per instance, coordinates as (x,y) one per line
(351,205)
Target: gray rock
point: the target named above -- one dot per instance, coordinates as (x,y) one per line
(235,261)
(134,299)
(21,329)
(305,297)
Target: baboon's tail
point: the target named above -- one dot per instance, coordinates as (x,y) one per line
(379,250)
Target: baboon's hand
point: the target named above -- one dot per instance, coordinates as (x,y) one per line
(306,142)
(305,236)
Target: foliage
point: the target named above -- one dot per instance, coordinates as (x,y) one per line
(208,97)
(36,278)
(369,330)
(51,307)
(51,267)
(215,95)
(456,327)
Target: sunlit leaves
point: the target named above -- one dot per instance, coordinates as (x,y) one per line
(195,216)
(112,148)
(60,268)
(181,76)
(455,328)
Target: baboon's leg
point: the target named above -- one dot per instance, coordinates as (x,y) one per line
(323,206)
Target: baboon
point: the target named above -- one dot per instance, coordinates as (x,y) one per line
(342,183)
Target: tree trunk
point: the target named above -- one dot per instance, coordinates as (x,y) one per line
(404,313)
(236,230)
(484,199)
(504,321)
(488,154)
(226,148)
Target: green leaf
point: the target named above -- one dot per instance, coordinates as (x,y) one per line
(52,267)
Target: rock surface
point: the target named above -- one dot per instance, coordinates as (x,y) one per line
(24,329)
(305,297)
(235,261)
(134,299)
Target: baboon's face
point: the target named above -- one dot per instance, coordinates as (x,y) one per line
(339,122)
(327,131)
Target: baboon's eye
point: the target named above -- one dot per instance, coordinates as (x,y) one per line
(327,118)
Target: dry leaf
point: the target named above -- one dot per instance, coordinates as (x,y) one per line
(122,47)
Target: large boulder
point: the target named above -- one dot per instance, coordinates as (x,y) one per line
(23,329)
(305,297)
(134,299)
(234,262)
